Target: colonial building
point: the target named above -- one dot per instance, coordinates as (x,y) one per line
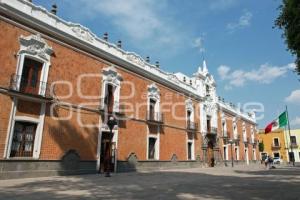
(62,86)
(292,142)
(274,144)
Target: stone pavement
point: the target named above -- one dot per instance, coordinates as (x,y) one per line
(240,182)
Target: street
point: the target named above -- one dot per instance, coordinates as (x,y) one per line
(240,182)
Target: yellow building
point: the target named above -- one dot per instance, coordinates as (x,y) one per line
(293,143)
(274,144)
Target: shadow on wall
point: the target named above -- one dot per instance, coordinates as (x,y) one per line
(77,146)
(158,185)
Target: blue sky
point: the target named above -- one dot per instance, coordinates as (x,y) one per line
(247,57)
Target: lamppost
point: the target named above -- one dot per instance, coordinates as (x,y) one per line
(110,123)
(230,141)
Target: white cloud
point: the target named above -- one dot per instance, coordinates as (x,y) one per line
(296,121)
(244,21)
(265,74)
(294,97)
(223,71)
(198,44)
(218,5)
(140,20)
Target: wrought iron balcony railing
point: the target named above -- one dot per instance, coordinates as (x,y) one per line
(212,131)
(294,145)
(154,117)
(192,126)
(276,146)
(114,107)
(236,137)
(33,87)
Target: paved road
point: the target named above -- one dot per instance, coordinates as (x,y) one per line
(203,183)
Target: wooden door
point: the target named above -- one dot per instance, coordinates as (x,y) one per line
(210,154)
(107,153)
(30,79)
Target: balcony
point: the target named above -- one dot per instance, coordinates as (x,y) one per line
(212,131)
(116,107)
(236,137)
(154,117)
(294,145)
(191,126)
(30,87)
(276,146)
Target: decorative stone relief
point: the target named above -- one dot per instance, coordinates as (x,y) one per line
(135,59)
(210,108)
(82,32)
(35,45)
(173,78)
(111,75)
(189,105)
(153,91)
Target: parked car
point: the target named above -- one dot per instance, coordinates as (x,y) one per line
(276,160)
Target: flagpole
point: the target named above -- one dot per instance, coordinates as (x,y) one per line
(287,142)
(287,115)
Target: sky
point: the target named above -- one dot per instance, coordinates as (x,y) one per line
(244,53)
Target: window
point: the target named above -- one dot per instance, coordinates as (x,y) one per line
(151,148)
(30,78)
(276,155)
(224,129)
(152,109)
(207,90)
(276,142)
(190,144)
(189,119)
(23,139)
(293,140)
(208,124)
(109,98)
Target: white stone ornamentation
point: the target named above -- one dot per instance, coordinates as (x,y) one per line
(153,91)
(173,78)
(35,45)
(111,76)
(82,32)
(189,105)
(135,59)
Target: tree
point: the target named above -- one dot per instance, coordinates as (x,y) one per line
(289,21)
(261,147)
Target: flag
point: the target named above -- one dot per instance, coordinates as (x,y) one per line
(280,122)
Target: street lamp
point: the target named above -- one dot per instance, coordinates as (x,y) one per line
(230,141)
(110,123)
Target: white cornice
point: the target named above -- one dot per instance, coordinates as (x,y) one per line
(236,112)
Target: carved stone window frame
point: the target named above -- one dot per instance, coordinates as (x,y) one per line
(34,47)
(189,106)
(153,93)
(111,77)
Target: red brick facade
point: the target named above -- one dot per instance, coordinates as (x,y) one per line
(67,63)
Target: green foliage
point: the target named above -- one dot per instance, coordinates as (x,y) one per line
(289,21)
(261,147)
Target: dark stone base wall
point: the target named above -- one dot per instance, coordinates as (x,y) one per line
(139,166)
(10,169)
